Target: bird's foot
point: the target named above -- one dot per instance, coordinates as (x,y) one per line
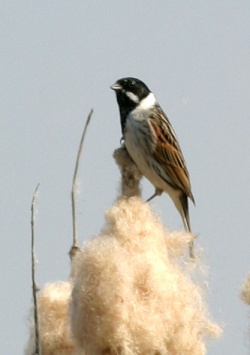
(158,192)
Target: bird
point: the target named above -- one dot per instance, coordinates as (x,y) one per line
(153,145)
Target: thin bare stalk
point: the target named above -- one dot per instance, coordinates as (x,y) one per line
(74,184)
(34,286)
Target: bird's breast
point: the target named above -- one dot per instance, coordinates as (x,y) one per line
(137,136)
(140,145)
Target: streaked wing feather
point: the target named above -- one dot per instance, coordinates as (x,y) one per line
(168,153)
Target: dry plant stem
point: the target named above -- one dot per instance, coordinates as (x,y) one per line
(73,191)
(34,287)
(131,175)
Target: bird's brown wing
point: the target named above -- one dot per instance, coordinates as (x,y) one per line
(168,154)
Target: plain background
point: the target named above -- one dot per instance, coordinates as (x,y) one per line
(58,60)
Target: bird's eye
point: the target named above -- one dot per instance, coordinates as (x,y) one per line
(132,82)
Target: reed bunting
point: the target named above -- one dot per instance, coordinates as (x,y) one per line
(152,144)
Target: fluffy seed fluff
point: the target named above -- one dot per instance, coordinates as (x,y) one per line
(131,295)
(54,324)
(130,291)
(245,291)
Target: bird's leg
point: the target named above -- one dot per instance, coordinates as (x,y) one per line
(158,192)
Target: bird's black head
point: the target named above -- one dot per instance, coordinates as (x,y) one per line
(129,93)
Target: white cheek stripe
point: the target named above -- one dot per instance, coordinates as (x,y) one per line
(132,97)
(148,102)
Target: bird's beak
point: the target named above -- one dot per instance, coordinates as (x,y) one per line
(116,87)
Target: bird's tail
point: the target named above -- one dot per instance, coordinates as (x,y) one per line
(183,210)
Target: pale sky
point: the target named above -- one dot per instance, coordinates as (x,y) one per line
(58,60)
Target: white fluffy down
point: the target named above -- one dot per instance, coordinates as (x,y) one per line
(245,291)
(133,292)
(54,324)
(131,296)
